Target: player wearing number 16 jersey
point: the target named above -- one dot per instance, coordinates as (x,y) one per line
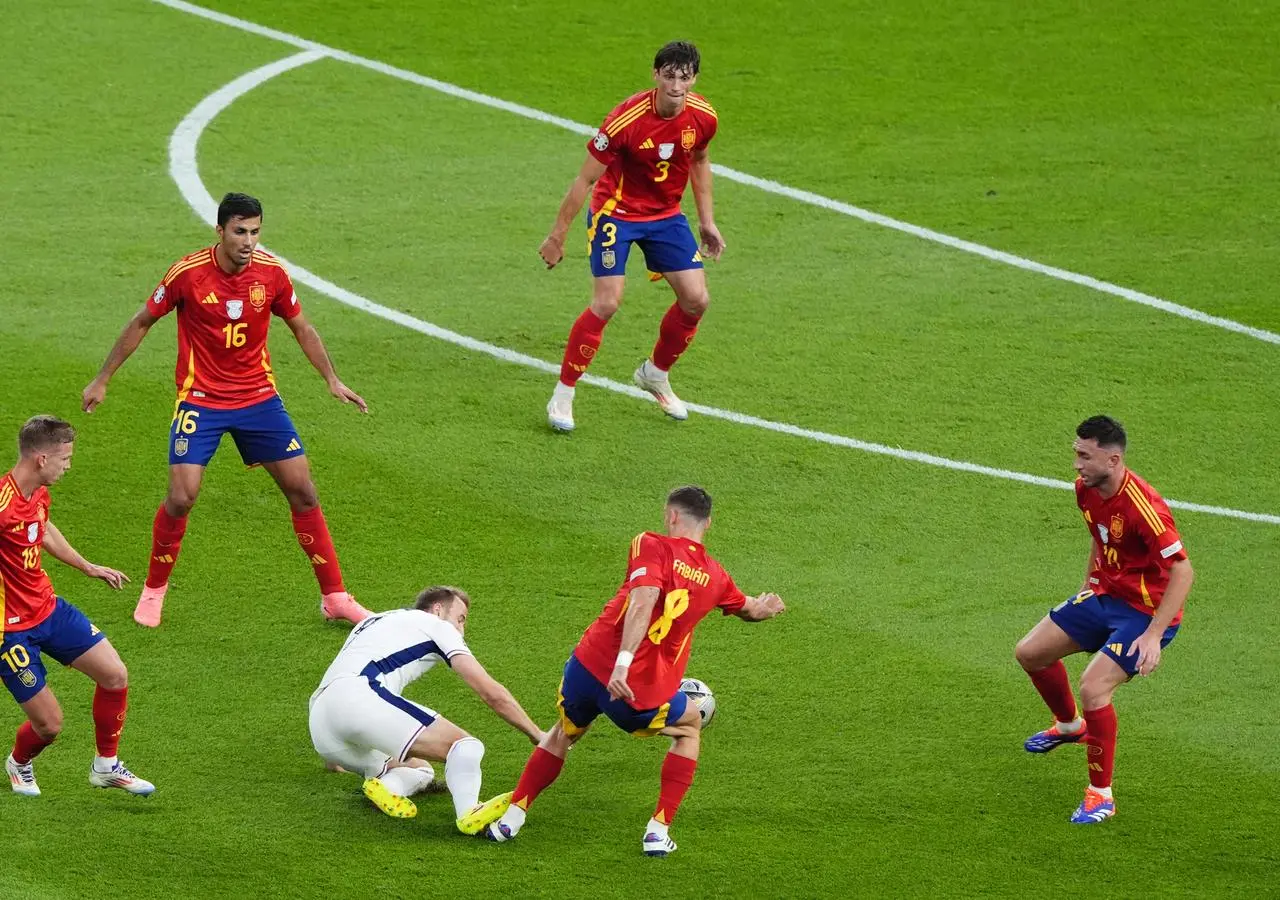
(629,663)
(640,160)
(224,297)
(1126,611)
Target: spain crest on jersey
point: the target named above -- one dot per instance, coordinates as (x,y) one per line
(1117,527)
(688,137)
(257,295)
(180,446)
(235,309)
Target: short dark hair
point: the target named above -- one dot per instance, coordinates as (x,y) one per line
(679,55)
(691,499)
(40,433)
(1103,429)
(238,206)
(441,593)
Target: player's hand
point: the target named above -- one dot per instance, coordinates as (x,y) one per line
(114,577)
(618,689)
(346,395)
(772,604)
(1147,647)
(712,243)
(92,395)
(552,250)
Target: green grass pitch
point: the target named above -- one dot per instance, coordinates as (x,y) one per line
(869,742)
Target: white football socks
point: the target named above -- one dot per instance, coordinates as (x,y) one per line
(513,818)
(405,781)
(656,827)
(1070,727)
(104,764)
(462,774)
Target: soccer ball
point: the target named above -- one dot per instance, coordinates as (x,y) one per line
(701,697)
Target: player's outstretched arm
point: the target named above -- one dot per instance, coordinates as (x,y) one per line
(309,340)
(61,550)
(635,624)
(700,177)
(129,339)
(757,609)
(552,249)
(496,696)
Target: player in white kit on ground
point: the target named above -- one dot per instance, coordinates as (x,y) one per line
(360,722)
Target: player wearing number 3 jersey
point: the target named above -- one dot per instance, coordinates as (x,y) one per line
(629,663)
(224,297)
(647,150)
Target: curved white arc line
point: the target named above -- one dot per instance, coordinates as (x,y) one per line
(184,169)
(764,184)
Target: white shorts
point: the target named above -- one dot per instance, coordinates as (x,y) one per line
(360,726)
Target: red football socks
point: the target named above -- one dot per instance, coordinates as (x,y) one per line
(541,769)
(166,541)
(1055,688)
(108,718)
(677,775)
(27,745)
(584,341)
(674,335)
(1102,744)
(313,537)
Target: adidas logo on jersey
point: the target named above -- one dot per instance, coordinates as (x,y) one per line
(210,298)
(647,145)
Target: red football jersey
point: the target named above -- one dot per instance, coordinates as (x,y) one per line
(223,361)
(648,156)
(691,584)
(1135,543)
(26,594)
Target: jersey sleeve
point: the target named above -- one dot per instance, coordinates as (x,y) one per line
(7,495)
(604,146)
(1155,523)
(646,562)
(731,598)
(449,641)
(285,304)
(167,295)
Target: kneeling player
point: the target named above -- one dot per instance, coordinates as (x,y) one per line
(360,722)
(629,663)
(37,621)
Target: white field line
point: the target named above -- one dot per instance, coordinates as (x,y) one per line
(183,167)
(763,184)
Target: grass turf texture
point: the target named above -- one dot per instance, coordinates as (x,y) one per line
(869,740)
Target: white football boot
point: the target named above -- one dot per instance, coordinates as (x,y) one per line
(560,409)
(657,382)
(120,777)
(22,778)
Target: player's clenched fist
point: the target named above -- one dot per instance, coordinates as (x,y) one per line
(92,395)
(552,250)
(772,604)
(618,688)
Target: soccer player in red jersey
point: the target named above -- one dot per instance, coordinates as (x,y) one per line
(225,296)
(33,620)
(629,663)
(644,154)
(1129,607)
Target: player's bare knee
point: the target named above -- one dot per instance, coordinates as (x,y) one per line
(49,725)
(695,304)
(303,497)
(605,307)
(179,502)
(114,679)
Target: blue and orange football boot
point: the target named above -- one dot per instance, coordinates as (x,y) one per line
(1051,738)
(1094,809)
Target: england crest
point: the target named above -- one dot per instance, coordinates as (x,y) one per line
(235,309)
(665,150)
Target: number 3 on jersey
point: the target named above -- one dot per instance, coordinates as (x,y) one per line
(674,606)
(664,168)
